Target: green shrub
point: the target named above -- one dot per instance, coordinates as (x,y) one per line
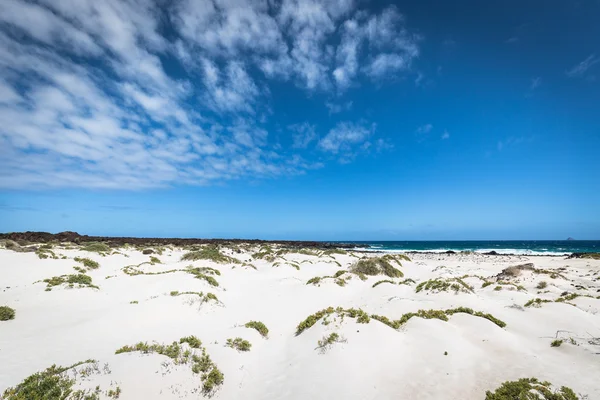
(88,263)
(383,281)
(556,343)
(377,266)
(96,247)
(50,384)
(523,389)
(209,252)
(81,280)
(154,260)
(200,273)
(536,302)
(443,285)
(314,281)
(239,344)
(259,326)
(327,341)
(542,285)
(114,394)
(192,341)
(312,319)
(6,313)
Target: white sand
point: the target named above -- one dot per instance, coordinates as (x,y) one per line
(64,326)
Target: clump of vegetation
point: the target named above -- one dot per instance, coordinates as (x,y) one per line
(556,343)
(155,260)
(203,273)
(470,311)
(486,284)
(530,388)
(314,281)
(536,302)
(239,344)
(328,340)
(498,288)
(404,282)
(259,326)
(212,378)
(383,281)
(209,252)
(363,317)
(88,263)
(134,302)
(50,384)
(7,313)
(377,266)
(192,341)
(44,253)
(114,394)
(312,319)
(443,285)
(81,280)
(567,297)
(96,248)
(542,285)
(203,297)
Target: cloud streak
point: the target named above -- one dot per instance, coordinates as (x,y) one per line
(107,95)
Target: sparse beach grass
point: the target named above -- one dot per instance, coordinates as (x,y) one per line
(75,280)
(212,378)
(49,384)
(362,317)
(444,285)
(210,253)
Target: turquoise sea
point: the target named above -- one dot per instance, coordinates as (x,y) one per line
(528,247)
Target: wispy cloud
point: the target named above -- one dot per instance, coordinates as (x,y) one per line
(335,108)
(445,135)
(424,129)
(580,69)
(347,138)
(535,83)
(302,135)
(101,94)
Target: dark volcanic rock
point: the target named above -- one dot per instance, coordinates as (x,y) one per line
(74,237)
(491,253)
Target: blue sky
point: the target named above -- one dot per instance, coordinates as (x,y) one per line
(297,119)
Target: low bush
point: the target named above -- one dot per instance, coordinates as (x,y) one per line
(259,326)
(530,388)
(239,344)
(6,313)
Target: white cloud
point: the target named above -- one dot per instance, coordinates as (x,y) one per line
(535,83)
(425,128)
(101,94)
(581,68)
(335,108)
(445,135)
(302,135)
(345,137)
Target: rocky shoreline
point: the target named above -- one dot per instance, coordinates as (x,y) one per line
(74,237)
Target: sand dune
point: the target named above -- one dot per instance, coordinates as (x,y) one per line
(460,356)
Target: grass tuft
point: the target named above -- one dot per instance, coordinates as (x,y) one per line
(377,266)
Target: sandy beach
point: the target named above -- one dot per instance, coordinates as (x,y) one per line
(163,296)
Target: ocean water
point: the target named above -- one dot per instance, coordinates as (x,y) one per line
(525,247)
